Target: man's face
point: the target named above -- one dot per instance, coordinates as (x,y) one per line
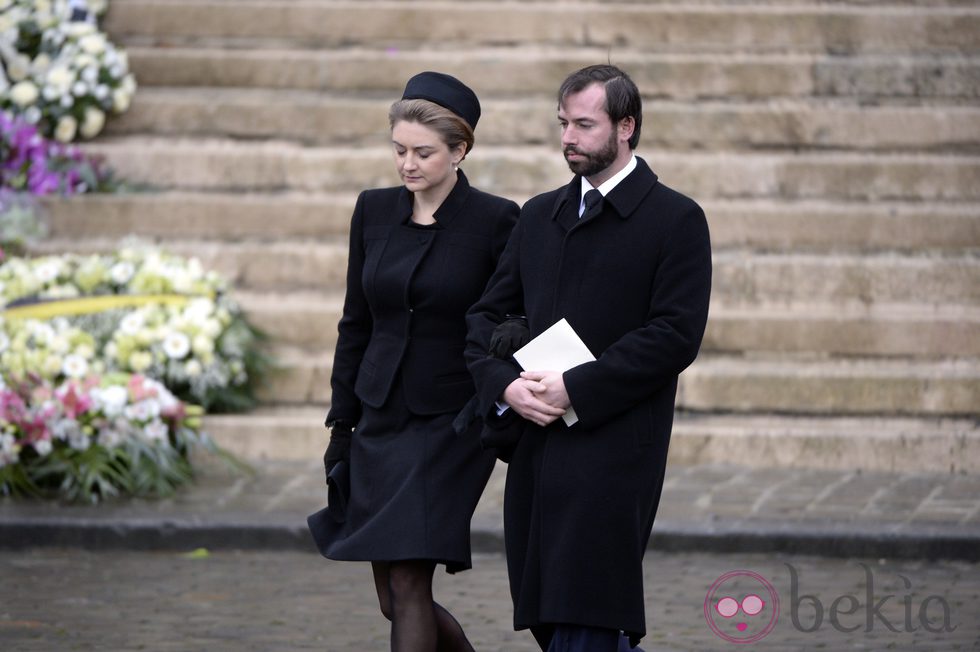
(588,137)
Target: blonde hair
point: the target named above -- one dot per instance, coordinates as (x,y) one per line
(451,128)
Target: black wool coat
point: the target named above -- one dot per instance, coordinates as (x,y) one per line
(383,333)
(580,501)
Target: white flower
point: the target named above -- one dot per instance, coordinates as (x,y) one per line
(90,75)
(24,93)
(60,79)
(143,411)
(18,67)
(198,310)
(77,28)
(41,332)
(7,442)
(59,344)
(75,366)
(48,271)
(43,447)
(101,92)
(80,441)
(92,123)
(92,43)
(112,399)
(176,345)
(66,429)
(66,128)
(67,101)
(132,323)
(8,449)
(32,115)
(193,368)
(156,430)
(109,438)
(4,343)
(121,272)
(121,99)
(41,64)
(211,328)
(79,89)
(139,361)
(203,345)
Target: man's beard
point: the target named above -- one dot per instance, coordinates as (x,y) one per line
(593,162)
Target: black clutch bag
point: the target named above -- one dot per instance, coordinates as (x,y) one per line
(338,489)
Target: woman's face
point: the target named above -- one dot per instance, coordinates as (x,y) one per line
(423,160)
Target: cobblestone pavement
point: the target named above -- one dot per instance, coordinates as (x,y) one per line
(712,508)
(235,601)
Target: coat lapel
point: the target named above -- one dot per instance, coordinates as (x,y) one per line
(565,211)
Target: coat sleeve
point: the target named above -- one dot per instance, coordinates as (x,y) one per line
(354,329)
(503,295)
(648,358)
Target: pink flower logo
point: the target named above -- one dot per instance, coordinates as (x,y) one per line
(741,607)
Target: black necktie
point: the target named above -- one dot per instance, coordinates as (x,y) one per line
(593,204)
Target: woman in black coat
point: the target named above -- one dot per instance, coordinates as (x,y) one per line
(420,255)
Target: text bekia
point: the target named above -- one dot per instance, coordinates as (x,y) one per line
(851,606)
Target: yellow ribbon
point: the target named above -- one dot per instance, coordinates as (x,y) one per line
(88,305)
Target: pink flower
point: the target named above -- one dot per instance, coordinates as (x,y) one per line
(74,402)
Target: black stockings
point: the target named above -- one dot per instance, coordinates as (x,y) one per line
(418,624)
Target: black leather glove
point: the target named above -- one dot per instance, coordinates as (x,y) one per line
(509,336)
(339,447)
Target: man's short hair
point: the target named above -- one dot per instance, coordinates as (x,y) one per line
(622,95)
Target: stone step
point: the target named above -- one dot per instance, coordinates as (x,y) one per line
(715,383)
(201,215)
(859,443)
(739,277)
(709,3)
(902,331)
(832,387)
(306,320)
(753,441)
(200,164)
(846,280)
(748,224)
(316,118)
(670,28)
(309,320)
(539,70)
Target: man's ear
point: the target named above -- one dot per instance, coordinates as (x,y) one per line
(626,127)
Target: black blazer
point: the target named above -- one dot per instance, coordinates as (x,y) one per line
(408,290)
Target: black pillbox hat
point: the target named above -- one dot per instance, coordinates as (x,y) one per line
(446,91)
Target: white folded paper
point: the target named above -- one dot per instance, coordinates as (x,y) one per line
(557,349)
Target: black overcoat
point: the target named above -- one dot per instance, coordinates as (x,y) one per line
(634,283)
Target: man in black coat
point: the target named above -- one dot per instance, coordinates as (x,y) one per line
(627,262)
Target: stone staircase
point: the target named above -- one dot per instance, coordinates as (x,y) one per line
(835,147)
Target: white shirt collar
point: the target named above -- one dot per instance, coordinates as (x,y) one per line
(606,187)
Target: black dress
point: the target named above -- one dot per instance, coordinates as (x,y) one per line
(414,482)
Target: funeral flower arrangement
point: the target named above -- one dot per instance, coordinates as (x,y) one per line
(60,72)
(91,437)
(106,363)
(136,310)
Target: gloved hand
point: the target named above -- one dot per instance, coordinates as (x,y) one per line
(509,336)
(339,447)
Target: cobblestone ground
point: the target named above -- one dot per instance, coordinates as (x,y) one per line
(55,600)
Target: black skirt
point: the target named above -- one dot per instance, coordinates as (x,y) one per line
(414,484)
